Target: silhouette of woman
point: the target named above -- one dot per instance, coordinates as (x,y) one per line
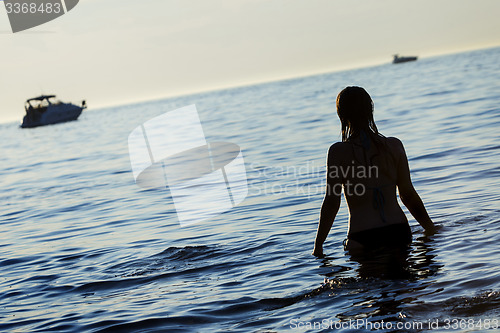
(369,167)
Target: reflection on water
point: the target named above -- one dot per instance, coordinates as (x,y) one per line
(386,280)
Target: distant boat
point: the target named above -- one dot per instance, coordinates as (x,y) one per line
(397,59)
(46,110)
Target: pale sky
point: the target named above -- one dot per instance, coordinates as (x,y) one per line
(113,52)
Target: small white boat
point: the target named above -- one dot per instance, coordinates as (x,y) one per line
(397,59)
(46,110)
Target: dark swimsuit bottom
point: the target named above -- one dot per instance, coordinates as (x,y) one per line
(393,235)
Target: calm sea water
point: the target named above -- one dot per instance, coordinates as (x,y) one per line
(85,249)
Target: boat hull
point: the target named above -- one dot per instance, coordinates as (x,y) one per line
(54,114)
(399,60)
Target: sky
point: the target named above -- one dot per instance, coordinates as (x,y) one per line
(114,52)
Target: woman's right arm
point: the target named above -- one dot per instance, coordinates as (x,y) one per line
(408,194)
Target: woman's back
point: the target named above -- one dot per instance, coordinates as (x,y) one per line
(369,177)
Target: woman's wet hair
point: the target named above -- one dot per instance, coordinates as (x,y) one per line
(355,111)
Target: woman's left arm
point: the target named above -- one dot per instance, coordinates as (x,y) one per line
(331,202)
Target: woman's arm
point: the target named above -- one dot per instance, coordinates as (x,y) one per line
(330,206)
(409,195)
(329,210)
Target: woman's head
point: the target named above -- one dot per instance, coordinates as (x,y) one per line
(355,111)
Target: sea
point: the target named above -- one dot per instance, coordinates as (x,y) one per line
(85,249)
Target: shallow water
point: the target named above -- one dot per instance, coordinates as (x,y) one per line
(85,249)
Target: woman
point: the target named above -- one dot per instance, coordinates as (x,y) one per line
(369,167)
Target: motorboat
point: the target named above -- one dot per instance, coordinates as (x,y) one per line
(397,59)
(46,110)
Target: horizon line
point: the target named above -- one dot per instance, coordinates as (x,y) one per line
(280,79)
(266,81)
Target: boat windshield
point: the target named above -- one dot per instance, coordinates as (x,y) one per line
(41,102)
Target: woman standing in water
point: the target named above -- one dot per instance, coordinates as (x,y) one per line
(369,167)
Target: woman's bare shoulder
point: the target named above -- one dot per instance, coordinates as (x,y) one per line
(395,144)
(338,148)
(337,153)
